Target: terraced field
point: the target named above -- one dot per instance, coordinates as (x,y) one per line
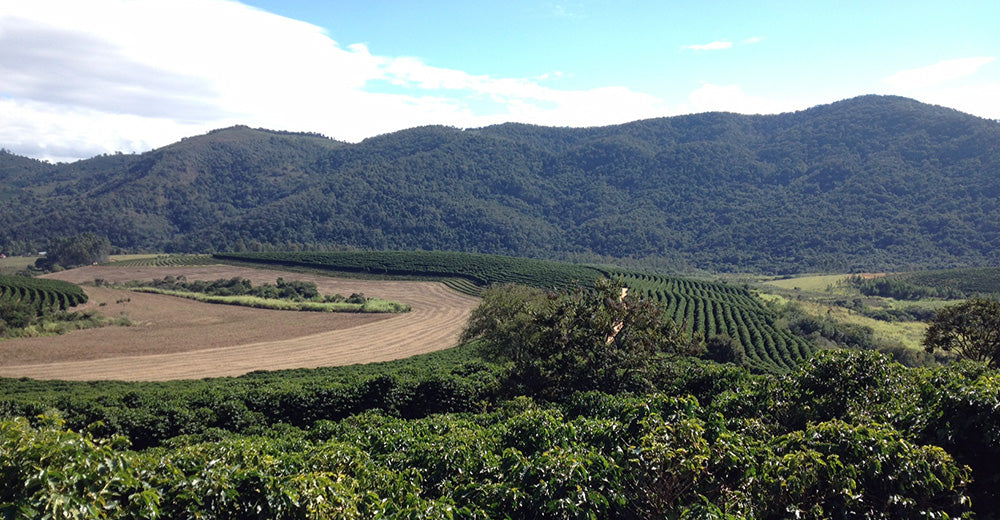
(173,338)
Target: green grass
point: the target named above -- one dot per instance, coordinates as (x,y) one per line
(15,264)
(810,283)
(373,305)
(907,333)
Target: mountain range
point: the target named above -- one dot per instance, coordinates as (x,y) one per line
(872,183)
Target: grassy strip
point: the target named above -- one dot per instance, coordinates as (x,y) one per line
(372,305)
(62,323)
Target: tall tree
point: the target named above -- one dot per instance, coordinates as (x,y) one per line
(603,338)
(82,249)
(971,329)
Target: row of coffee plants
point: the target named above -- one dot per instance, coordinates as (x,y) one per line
(951,284)
(845,435)
(480,269)
(41,293)
(164,261)
(38,306)
(714,309)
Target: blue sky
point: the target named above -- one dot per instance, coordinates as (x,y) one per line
(82,78)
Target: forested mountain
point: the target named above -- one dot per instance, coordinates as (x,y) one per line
(870,183)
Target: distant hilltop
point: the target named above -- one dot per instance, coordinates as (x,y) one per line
(873,183)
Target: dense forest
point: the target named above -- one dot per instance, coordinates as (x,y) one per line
(866,184)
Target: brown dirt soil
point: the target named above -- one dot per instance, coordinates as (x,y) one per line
(176,338)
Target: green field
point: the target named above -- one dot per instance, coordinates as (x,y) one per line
(15,264)
(809,283)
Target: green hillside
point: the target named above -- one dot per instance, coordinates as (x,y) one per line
(867,184)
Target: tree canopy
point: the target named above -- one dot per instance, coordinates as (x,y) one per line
(601,338)
(970,329)
(82,249)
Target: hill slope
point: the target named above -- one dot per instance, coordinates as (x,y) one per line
(871,183)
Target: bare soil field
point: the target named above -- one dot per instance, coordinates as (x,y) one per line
(176,338)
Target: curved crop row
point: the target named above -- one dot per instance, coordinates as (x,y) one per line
(166,261)
(479,269)
(710,308)
(42,293)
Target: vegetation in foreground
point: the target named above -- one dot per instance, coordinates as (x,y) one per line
(624,425)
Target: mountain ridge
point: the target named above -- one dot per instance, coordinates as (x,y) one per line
(868,183)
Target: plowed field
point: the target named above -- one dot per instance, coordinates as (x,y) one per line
(176,338)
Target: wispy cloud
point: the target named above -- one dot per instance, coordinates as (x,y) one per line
(721,45)
(713,46)
(938,73)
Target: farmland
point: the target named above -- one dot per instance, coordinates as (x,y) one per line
(422,427)
(705,308)
(174,338)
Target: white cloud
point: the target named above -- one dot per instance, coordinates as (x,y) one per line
(938,73)
(731,98)
(713,46)
(82,78)
(962,84)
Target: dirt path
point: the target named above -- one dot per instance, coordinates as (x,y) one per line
(174,338)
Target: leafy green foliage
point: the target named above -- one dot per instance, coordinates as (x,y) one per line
(898,287)
(281,289)
(723,349)
(598,456)
(50,472)
(560,343)
(82,249)
(971,329)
